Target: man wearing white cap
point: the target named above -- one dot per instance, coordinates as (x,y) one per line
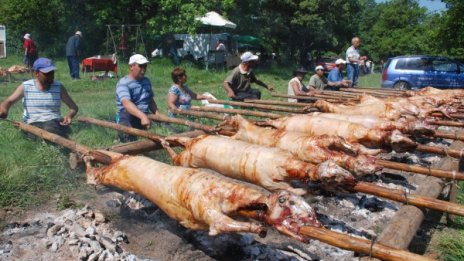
(30,51)
(72,53)
(134,97)
(318,80)
(335,78)
(238,83)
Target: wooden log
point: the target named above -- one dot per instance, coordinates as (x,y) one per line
(439,173)
(447,123)
(410,199)
(239,111)
(441,151)
(276,102)
(259,106)
(192,124)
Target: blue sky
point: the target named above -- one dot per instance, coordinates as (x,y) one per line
(432,5)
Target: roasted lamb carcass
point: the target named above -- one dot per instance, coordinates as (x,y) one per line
(352,132)
(389,109)
(202,200)
(314,149)
(271,168)
(431,92)
(415,127)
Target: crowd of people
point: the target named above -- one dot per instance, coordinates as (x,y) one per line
(42,96)
(335,80)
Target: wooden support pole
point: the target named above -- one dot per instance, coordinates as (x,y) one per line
(410,199)
(447,123)
(441,151)
(239,111)
(71,145)
(259,106)
(192,124)
(449,135)
(119,127)
(276,102)
(308,98)
(360,245)
(201,114)
(439,173)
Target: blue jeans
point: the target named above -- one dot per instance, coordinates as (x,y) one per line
(73,64)
(352,73)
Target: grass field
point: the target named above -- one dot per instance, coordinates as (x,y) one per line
(32,172)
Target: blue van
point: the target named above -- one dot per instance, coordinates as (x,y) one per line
(418,71)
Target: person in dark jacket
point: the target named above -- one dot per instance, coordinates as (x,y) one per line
(72,53)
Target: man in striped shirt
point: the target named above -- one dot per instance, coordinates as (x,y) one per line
(134,97)
(41,98)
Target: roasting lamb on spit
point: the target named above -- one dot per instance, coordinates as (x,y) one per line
(271,168)
(352,132)
(414,127)
(384,108)
(353,157)
(203,200)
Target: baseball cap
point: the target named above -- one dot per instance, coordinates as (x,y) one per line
(79,33)
(319,67)
(340,61)
(27,36)
(44,65)
(248,56)
(138,59)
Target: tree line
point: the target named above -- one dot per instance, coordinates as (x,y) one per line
(291,28)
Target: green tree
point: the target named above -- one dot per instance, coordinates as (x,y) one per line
(400,29)
(450,27)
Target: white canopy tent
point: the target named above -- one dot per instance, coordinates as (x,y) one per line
(214,19)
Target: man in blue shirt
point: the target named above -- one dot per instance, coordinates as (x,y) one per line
(72,53)
(134,97)
(335,78)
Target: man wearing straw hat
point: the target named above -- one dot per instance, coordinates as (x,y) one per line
(296,86)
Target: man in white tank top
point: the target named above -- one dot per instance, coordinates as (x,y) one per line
(41,99)
(296,86)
